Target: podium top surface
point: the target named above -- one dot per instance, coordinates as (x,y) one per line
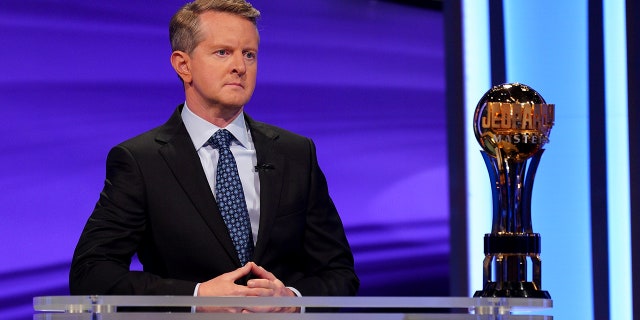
(372,308)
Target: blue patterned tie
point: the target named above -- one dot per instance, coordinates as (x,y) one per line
(230,197)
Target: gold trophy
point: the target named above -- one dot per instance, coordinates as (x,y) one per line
(512,123)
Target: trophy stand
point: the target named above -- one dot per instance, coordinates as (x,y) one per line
(512,122)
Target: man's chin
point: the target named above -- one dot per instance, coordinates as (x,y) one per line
(234,103)
(233,106)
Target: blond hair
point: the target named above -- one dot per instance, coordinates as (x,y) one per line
(185,24)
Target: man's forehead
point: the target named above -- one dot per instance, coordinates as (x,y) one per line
(225,27)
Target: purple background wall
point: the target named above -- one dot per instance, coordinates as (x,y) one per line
(363,78)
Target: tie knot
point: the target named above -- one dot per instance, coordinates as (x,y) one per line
(221,139)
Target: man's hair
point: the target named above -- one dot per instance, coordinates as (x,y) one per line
(185,24)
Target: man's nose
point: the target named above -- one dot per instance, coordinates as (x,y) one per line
(239,65)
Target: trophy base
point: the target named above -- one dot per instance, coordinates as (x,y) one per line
(511,290)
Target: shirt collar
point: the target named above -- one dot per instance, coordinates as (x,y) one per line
(201,130)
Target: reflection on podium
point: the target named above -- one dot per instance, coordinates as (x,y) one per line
(333,308)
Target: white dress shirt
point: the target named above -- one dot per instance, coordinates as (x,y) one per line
(243,151)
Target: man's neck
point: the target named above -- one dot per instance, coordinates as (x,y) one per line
(220,116)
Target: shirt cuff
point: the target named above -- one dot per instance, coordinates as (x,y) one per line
(195,294)
(298,294)
(195,291)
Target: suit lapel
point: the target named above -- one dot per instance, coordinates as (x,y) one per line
(271,177)
(180,155)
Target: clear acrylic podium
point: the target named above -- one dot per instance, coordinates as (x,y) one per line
(333,308)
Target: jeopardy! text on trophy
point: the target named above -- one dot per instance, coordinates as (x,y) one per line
(512,123)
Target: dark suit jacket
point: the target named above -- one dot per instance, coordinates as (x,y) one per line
(156,202)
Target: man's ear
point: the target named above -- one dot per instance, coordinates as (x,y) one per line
(182,65)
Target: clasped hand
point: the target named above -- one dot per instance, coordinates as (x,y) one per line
(264,284)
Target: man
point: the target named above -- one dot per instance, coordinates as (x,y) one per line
(164,194)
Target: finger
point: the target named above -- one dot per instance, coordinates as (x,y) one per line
(217,310)
(266,283)
(260,309)
(261,272)
(260,283)
(240,272)
(259,292)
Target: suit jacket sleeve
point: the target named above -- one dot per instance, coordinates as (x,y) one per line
(327,252)
(113,233)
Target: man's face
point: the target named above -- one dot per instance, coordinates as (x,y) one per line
(224,64)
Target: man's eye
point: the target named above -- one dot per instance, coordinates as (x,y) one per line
(221,52)
(250,55)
